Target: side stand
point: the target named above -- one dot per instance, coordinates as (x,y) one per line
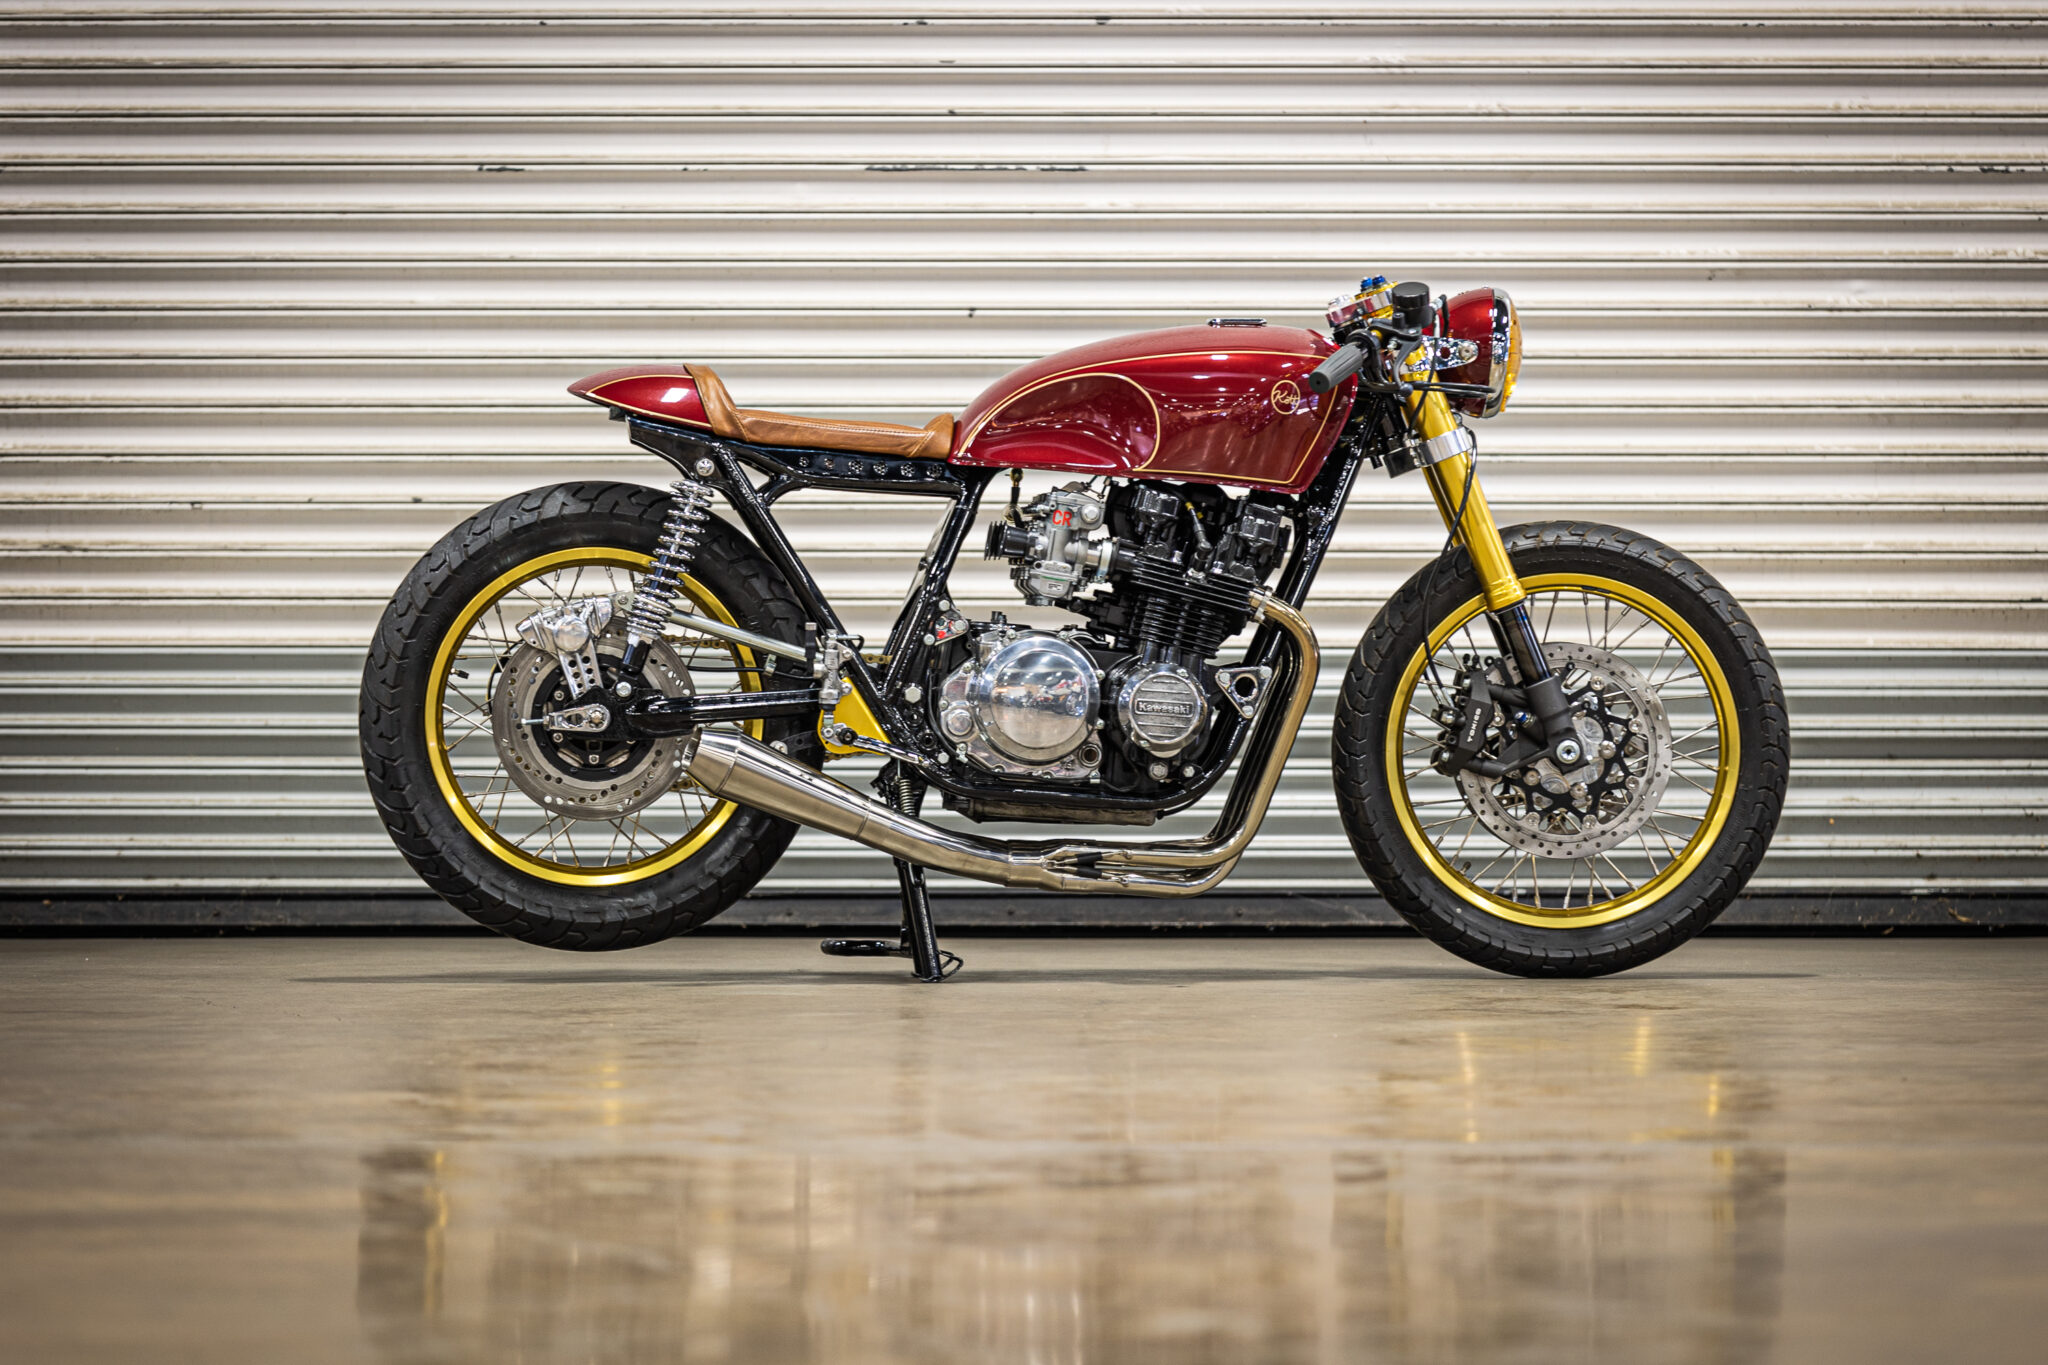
(916,939)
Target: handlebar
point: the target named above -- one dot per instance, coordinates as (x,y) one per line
(1337,367)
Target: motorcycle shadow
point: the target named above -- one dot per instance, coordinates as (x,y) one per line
(889,972)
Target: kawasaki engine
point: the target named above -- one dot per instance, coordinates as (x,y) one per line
(1162,572)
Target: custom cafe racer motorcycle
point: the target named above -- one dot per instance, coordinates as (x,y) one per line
(594,714)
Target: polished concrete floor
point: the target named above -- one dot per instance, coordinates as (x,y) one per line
(1184,1150)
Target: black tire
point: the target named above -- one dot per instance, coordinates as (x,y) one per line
(1699,886)
(422,820)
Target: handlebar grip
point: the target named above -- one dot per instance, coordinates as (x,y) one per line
(1337,367)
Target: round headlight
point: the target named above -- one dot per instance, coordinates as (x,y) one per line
(1487,319)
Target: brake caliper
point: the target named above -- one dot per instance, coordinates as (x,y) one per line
(569,632)
(1465,718)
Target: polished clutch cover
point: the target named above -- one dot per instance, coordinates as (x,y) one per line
(1027,704)
(1035,698)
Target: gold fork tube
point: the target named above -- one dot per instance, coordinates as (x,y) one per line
(1432,417)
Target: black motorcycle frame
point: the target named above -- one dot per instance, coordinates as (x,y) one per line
(1315,512)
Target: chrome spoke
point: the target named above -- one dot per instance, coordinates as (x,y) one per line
(1478,876)
(1622,643)
(1682,669)
(1656,823)
(1658,662)
(1650,854)
(1435,684)
(472,728)
(470,697)
(556,836)
(1609,838)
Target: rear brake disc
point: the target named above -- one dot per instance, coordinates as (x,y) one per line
(601,775)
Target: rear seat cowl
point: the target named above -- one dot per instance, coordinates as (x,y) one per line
(667,392)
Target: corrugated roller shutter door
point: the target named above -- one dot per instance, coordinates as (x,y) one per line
(288,294)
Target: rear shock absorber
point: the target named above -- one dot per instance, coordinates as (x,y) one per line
(681,533)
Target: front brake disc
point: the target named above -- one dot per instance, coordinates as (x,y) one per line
(1596,806)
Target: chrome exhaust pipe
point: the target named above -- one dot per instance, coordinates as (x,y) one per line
(739,768)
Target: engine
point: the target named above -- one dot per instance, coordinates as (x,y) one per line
(1163,575)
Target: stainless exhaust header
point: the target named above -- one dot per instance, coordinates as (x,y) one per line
(739,768)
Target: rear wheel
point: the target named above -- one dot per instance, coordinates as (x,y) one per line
(1595,868)
(587,839)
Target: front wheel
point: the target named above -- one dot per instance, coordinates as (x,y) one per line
(1566,872)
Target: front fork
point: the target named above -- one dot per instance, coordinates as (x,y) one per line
(1456,489)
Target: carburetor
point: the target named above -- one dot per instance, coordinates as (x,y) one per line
(1049,542)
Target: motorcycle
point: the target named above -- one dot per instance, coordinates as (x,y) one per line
(594,714)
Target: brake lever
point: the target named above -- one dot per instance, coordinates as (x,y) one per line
(1380,350)
(1387,348)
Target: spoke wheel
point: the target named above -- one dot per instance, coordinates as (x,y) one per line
(1589,844)
(534,809)
(581,809)
(1547,869)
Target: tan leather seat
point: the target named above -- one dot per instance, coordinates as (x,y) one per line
(932,441)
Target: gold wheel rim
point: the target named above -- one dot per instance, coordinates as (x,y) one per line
(438,748)
(1688,856)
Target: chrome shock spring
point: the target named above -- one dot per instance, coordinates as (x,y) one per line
(681,533)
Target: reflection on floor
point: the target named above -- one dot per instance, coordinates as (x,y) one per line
(1110,1150)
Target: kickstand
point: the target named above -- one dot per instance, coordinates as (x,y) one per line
(916,939)
(928,961)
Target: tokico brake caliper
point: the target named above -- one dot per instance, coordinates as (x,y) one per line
(1467,713)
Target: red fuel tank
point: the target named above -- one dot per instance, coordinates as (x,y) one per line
(1208,404)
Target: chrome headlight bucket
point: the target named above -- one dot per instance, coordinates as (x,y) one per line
(1487,319)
